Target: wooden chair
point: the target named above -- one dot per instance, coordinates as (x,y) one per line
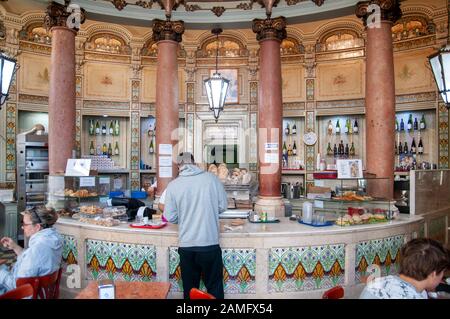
(45,287)
(334,293)
(199,294)
(21,292)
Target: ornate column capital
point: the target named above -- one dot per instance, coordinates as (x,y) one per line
(389,10)
(270,28)
(167,30)
(64,15)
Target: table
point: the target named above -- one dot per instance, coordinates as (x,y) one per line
(129,290)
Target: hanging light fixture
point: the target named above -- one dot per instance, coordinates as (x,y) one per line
(7,70)
(216,86)
(440,65)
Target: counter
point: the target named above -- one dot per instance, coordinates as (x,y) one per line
(284,260)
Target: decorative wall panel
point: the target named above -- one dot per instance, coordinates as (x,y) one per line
(135,140)
(11,125)
(105,81)
(37,70)
(106,105)
(292,83)
(70,251)
(148,84)
(78,131)
(443,132)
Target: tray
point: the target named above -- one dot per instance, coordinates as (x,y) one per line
(276,220)
(327,223)
(140,225)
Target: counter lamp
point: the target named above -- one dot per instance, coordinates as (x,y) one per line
(7,70)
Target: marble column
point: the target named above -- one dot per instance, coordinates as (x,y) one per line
(168,35)
(61,104)
(270,33)
(378,17)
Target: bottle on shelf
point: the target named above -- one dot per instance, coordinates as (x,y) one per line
(350,127)
(330,128)
(116,128)
(294,129)
(290,150)
(410,123)
(413,146)
(346,151)
(103,128)
(355,127)
(97,128)
(416,124)
(99,150)
(420,147)
(335,150)
(402,125)
(104,149)
(116,148)
(341,148)
(287,130)
(422,124)
(111,128)
(92,148)
(395,149)
(91,127)
(338,127)
(110,150)
(329,150)
(352,150)
(400,147)
(294,149)
(405,148)
(346,130)
(284,148)
(151,148)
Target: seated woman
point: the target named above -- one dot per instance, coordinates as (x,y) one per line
(423,262)
(44,253)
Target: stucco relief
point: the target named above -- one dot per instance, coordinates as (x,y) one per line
(292,85)
(37,69)
(149,84)
(338,81)
(107,81)
(412,72)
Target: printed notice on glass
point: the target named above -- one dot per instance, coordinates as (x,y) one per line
(117,183)
(165,149)
(104,180)
(78,167)
(271,158)
(165,161)
(271,146)
(349,168)
(87,181)
(165,172)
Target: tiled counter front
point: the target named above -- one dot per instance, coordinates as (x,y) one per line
(284,260)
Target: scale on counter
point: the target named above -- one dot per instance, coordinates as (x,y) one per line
(234,213)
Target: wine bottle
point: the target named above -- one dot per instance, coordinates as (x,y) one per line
(346,126)
(103,128)
(284,148)
(97,128)
(287,130)
(420,147)
(413,146)
(400,147)
(422,123)
(104,149)
(341,148)
(91,127)
(410,123)
(329,150)
(294,149)
(338,127)
(290,150)
(111,128)
(110,151)
(402,125)
(99,150)
(92,148)
(395,149)
(355,127)
(396,125)
(116,148)
(405,148)
(352,150)
(330,128)
(416,124)
(350,127)
(335,150)
(294,129)
(117,128)
(346,152)
(151,149)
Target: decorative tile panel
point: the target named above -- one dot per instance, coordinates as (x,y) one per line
(78,86)
(190,93)
(306,268)
(135,87)
(437,229)
(383,252)
(135,146)
(120,261)
(310,150)
(254,92)
(70,251)
(11,137)
(239,266)
(135,180)
(310,89)
(443,128)
(78,131)
(253,151)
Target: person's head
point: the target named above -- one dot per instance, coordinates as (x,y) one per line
(424,260)
(38,218)
(185,158)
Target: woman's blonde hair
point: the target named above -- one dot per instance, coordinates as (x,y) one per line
(41,215)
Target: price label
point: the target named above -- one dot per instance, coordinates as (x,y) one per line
(104,180)
(87,181)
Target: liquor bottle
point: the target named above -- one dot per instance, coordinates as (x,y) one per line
(402,125)
(104,149)
(294,129)
(347,151)
(396,124)
(103,128)
(422,124)
(116,148)
(338,128)
(284,148)
(410,123)
(335,150)
(117,128)
(420,147)
(400,147)
(413,146)
(346,126)
(416,124)
(355,127)
(91,127)
(352,150)
(329,150)
(290,150)
(405,148)
(341,148)
(287,130)
(97,128)
(92,148)
(395,149)
(110,150)
(350,127)
(111,128)
(294,149)
(330,128)
(151,148)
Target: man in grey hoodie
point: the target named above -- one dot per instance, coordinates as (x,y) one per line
(194,201)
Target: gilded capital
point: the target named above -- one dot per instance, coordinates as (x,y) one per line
(270,28)
(167,30)
(387,10)
(64,15)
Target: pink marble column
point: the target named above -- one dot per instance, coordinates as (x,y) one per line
(168,35)
(380,95)
(270,33)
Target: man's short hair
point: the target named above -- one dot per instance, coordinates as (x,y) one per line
(422,256)
(185,158)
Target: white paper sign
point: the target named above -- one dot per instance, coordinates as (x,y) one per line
(165,172)
(87,181)
(165,149)
(318,204)
(349,168)
(104,180)
(78,167)
(118,183)
(165,161)
(271,158)
(271,146)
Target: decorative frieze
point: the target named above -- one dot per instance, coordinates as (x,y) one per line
(11,116)
(341,104)
(294,106)
(274,29)
(149,107)
(135,147)
(107,57)
(443,133)
(135,91)
(33,99)
(106,105)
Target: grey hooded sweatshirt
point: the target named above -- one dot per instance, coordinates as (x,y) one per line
(194,200)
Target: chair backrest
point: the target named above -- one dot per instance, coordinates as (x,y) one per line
(199,294)
(21,292)
(334,293)
(45,287)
